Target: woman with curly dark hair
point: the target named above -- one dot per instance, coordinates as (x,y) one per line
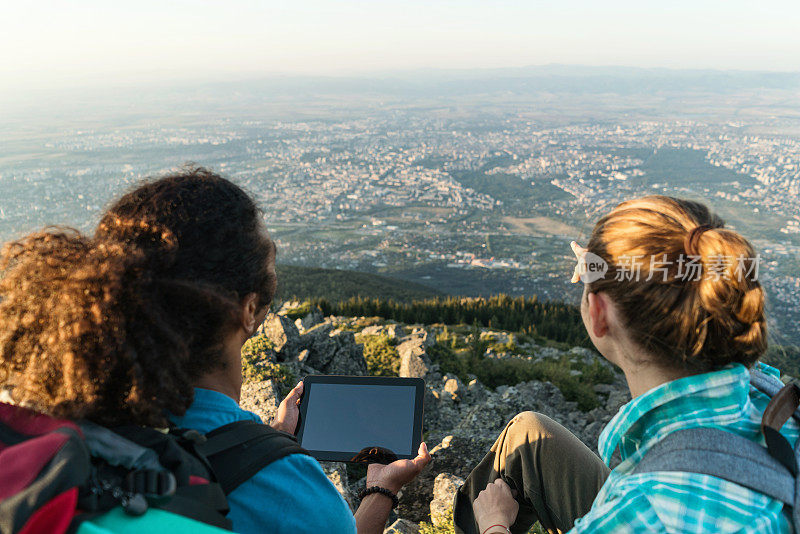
(146,321)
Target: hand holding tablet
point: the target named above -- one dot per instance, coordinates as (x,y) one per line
(361,419)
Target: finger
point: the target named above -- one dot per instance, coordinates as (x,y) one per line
(503,486)
(423,456)
(296,391)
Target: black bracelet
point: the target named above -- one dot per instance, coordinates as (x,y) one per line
(383,491)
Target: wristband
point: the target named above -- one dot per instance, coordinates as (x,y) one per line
(497,525)
(383,491)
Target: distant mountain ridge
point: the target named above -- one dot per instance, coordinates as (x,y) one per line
(306,283)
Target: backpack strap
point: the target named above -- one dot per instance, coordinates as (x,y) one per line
(765,383)
(239,450)
(715,452)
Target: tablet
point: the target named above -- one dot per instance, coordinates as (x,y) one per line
(362,419)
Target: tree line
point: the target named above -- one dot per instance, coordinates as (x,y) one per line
(527,315)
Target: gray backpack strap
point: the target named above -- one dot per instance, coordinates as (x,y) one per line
(714,452)
(770,470)
(767,384)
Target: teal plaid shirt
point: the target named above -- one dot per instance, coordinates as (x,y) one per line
(684,502)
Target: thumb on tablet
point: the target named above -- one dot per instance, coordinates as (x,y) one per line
(423,456)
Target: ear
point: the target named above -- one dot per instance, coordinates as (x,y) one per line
(598,311)
(250,312)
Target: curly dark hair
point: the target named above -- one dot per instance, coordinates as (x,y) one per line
(118,327)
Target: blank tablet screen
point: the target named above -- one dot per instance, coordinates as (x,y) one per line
(351,417)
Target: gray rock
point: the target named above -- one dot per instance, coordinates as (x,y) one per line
(616,399)
(374,330)
(283,334)
(303,356)
(348,360)
(261,398)
(445,487)
(402,526)
(395,331)
(457,456)
(453,386)
(313,318)
(321,348)
(337,474)
(414,361)
(604,389)
(333,351)
(428,338)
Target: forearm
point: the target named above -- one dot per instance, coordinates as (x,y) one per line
(372,514)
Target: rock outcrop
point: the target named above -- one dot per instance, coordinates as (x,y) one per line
(414,361)
(462,417)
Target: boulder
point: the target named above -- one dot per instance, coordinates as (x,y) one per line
(332,351)
(414,361)
(283,334)
(348,360)
(261,398)
(337,474)
(374,330)
(455,455)
(395,331)
(313,318)
(453,387)
(321,348)
(428,338)
(445,487)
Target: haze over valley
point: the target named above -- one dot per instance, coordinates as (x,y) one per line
(471,182)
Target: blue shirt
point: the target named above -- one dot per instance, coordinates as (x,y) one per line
(290,495)
(684,502)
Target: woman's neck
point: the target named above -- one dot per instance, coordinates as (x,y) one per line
(642,377)
(227,379)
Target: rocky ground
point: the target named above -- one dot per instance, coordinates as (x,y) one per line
(461,420)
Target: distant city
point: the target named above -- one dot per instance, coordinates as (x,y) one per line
(475,193)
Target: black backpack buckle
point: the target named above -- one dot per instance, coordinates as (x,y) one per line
(156,485)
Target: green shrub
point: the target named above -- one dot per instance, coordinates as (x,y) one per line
(381,355)
(494,372)
(299,312)
(442,528)
(257,347)
(597,373)
(510,347)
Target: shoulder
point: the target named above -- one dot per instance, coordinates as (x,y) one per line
(290,495)
(681,502)
(210,410)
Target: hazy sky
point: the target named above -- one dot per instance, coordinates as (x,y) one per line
(88,39)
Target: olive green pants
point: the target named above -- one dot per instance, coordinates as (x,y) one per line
(556,476)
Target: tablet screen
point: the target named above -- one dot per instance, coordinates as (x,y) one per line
(351,417)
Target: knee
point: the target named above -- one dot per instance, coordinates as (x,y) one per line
(533,424)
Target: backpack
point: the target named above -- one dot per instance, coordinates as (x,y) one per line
(58,476)
(725,455)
